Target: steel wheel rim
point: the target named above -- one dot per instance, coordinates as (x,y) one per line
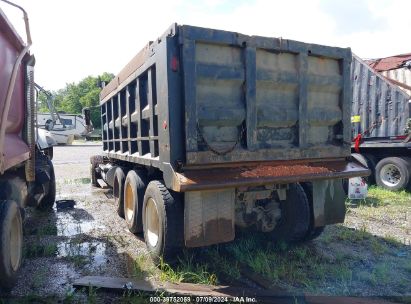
(129,202)
(152,222)
(15,243)
(390,175)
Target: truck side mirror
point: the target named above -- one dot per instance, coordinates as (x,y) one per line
(87,116)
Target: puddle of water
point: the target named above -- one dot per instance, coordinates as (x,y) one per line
(67,225)
(94,251)
(72,222)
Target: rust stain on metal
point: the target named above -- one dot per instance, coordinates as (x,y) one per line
(389,63)
(264,171)
(213,232)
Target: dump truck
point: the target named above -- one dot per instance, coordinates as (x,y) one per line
(381,126)
(208,130)
(26,173)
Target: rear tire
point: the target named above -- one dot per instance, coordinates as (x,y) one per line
(313,232)
(118,191)
(393,173)
(11,243)
(295,217)
(48,200)
(49,152)
(163,222)
(134,188)
(95,160)
(369,161)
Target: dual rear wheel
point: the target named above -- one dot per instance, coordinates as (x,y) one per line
(149,207)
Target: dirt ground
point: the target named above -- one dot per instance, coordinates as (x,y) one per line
(72,241)
(367,256)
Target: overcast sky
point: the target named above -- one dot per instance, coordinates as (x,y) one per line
(76,38)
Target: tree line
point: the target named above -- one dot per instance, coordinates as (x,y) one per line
(76,96)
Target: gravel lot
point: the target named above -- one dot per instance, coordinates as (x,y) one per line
(72,241)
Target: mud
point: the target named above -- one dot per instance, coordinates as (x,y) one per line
(82,235)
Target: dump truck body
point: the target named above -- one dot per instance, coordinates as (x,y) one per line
(14,149)
(229,120)
(26,174)
(381,126)
(380,109)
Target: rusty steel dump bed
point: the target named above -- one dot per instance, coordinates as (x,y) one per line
(380,109)
(14,149)
(199,98)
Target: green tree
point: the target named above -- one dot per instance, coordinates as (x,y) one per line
(76,96)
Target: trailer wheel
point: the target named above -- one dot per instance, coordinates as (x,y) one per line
(11,243)
(49,152)
(313,232)
(393,173)
(163,221)
(48,200)
(134,188)
(369,161)
(118,191)
(95,160)
(294,224)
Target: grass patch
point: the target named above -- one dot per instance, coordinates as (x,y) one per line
(352,235)
(380,197)
(391,240)
(381,274)
(49,229)
(407,266)
(187,270)
(38,250)
(143,266)
(377,246)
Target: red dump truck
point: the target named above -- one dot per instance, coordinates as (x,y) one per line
(26,173)
(205,130)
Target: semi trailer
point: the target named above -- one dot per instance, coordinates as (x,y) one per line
(381,126)
(208,130)
(26,173)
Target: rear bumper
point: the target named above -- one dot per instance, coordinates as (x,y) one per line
(263,173)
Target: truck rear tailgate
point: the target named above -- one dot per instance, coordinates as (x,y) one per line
(256,174)
(250,98)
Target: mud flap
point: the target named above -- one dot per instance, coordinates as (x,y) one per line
(209,217)
(328,202)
